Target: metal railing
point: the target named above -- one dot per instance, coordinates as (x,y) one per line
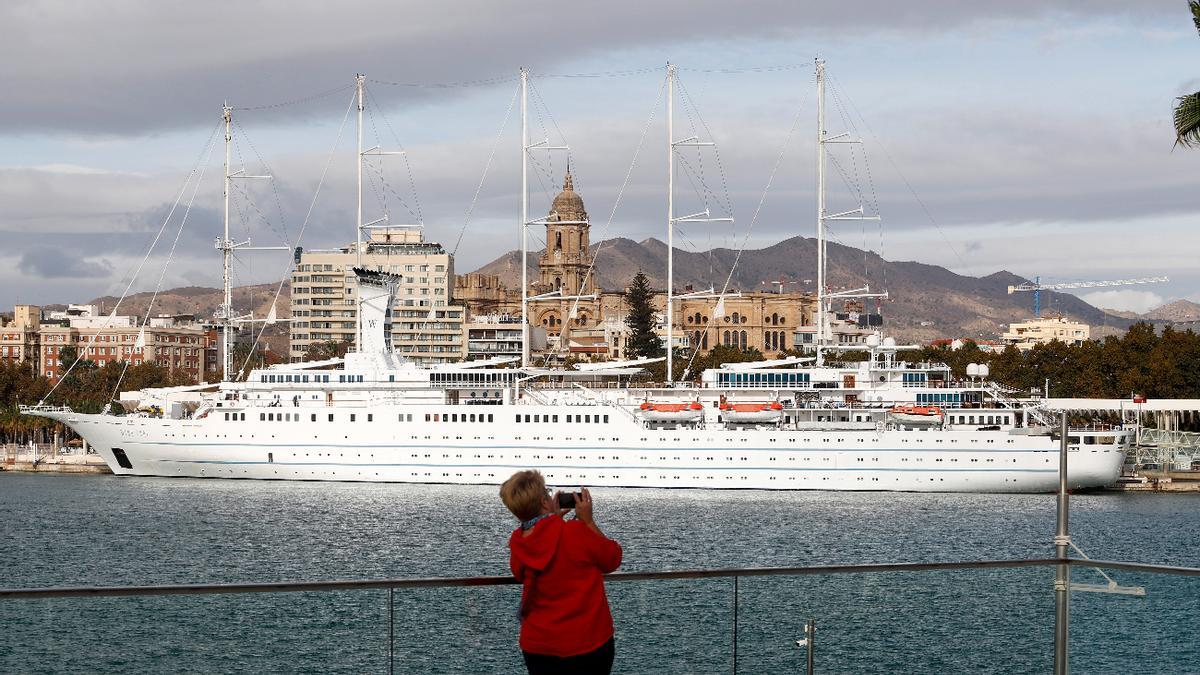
(733,574)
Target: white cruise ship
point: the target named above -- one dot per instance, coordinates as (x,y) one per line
(876,425)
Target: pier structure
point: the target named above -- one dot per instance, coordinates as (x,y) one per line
(1162,437)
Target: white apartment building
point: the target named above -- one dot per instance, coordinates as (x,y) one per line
(1044,331)
(425,325)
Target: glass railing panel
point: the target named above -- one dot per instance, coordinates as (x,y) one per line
(673,626)
(943,621)
(1120,633)
(979,620)
(332,632)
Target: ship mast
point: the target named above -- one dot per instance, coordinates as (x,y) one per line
(820,322)
(358,229)
(224,314)
(824,296)
(701,217)
(226,246)
(524,218)
(670,220)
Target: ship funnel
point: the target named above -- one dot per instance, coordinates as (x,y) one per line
(375,293)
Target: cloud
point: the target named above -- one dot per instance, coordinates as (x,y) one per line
(125,67)
(49,262)
(1125,300)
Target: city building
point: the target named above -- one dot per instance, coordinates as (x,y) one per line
(425,325)
(177,342)
(497,336)
(1044,331)
(20,340)
(593,328)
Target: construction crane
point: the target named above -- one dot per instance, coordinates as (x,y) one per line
(1037,287)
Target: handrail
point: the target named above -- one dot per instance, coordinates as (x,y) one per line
(444,582)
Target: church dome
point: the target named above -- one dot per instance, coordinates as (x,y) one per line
(568,204)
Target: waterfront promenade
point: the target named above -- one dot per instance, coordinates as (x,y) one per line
(48,459)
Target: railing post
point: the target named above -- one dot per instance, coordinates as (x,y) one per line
(1062,577)
(810,631)
(735,623)
(391,630)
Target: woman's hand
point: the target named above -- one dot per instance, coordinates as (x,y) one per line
(552,505)
(583,507)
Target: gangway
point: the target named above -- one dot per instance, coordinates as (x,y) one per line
(1166,447)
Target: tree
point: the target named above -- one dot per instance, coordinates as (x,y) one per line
(643,342)
(1187,108)
(330,349)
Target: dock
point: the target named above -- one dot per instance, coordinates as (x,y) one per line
(46,459)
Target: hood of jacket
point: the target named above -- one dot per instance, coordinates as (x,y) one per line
(535,552)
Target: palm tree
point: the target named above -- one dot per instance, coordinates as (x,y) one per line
(1187,108)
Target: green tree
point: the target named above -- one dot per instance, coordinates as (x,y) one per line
(330,349)
(1187,108)
(643,342)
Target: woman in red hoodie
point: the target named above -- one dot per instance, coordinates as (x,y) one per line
(566,626)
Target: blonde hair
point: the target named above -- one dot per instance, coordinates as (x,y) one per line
(523,493)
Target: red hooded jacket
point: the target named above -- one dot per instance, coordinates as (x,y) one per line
(563,606)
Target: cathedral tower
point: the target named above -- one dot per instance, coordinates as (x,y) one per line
(566,260)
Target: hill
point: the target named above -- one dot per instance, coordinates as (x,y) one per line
(926,301)
(203,302)
(1179,311)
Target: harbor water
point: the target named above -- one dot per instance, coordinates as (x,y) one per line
(60,530)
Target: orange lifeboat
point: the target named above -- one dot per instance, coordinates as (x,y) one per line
(752,413)
(913,415)
(672,412)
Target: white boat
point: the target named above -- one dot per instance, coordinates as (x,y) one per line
(375,416)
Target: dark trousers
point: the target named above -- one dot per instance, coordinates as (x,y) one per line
(596,662)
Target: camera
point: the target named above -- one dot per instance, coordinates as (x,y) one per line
(566,500)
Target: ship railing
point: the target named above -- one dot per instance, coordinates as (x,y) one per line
(43,408)
(1036,411)
(732,631)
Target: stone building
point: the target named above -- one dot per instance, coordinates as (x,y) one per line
(594,328)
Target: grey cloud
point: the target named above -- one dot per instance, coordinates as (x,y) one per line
(127,67)
(53,263)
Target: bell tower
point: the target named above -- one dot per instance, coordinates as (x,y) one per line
(566,260)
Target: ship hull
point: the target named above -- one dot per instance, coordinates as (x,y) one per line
(302,448)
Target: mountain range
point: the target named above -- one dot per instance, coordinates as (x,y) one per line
(925,301)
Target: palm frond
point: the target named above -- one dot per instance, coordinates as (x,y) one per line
(1187,120)
(1195,7)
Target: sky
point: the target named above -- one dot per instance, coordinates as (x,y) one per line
(1032,137)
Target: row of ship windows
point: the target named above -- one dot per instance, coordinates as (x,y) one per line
(303,379)
(402,417)
(581,476)
(571,419)
(983,419)
(271,457)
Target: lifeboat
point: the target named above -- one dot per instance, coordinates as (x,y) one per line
(752,413)
(671,412)
(917,415)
